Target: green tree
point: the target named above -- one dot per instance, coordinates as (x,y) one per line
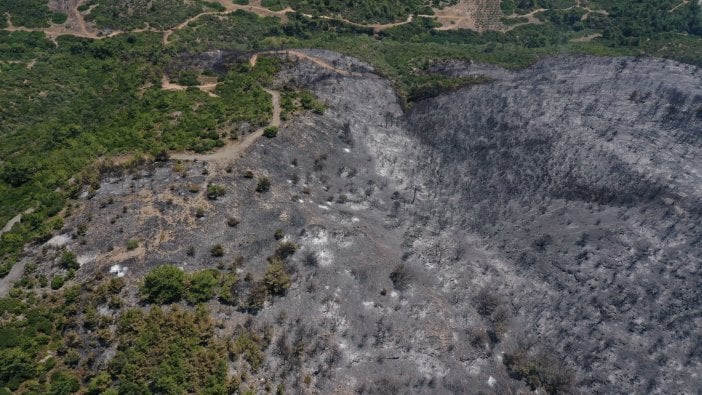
(15,367)
(99,384)
(164,284)
(276,278)
(270,132)
(203,286)
(215,191)
(57,282)
(69,260)
(227,291)
(63,383)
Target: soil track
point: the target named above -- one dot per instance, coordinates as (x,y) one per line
(318,61)
(235,148)
(167,85)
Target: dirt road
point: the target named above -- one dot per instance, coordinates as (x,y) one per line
(235,148)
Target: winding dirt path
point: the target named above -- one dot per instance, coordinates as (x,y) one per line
(208,88)
(18,268)
(235,148)
(318,61)
(8,226)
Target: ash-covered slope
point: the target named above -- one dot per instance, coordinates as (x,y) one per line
(578,180)
(541,229)
(583,175)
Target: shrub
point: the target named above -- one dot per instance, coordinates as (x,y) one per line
(227,291)
(311,259)
(99,384)
(200,212)
(57,282)
(63,383)
(247,345)
(270,132)
(215,191)
(202,286)
(217,251)
(279,234)
(486,303)
(257,297)
(276,278)
(400,277)
(164,284)
(264,185)
(69,260)
(132,244)
(232,222)
(539,372)
(5,269)
(248,174)
(285,249)
(15,366)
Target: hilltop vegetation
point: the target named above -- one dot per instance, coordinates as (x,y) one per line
(29,13)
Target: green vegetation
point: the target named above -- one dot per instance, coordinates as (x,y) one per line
(135,14)
(164,284)
(48,344)
(276,278)
(69,260)
(29,13)
(132,244)
(57,282)
(168,351)
(215,191)
(250,346)
(270,132)
(295,100)
(203,286)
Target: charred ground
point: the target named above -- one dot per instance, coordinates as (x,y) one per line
(538,231)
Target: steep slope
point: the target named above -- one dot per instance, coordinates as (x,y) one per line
(541,230)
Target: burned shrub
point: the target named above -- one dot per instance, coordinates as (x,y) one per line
(539,372)
(400,277)
(486,302)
